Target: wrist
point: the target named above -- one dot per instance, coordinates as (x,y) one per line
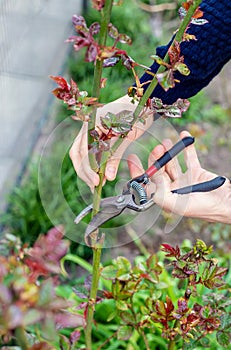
(227,206)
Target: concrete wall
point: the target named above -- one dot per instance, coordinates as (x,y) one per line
(32,35)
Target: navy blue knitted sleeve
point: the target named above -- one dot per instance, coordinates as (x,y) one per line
(205,57)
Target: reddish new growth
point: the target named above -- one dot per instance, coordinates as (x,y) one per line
(76,100)
(85,37)
(176,63)
(44,257)
(186,265)
(110,55)
(196,18)
(98,4)
(28,280)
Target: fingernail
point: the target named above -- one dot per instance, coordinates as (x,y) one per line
(111,172)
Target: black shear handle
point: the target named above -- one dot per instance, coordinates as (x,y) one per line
(203,186)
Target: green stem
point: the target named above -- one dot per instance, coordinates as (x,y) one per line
(21,338)
(171,345)
(105,19)
(145,340)
(97,248)
(92,298)
(77,260)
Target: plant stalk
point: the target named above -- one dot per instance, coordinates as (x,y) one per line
(171,345)
(92,298)
(105,19)
(97,247)
(21,338)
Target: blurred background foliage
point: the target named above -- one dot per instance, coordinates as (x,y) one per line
(26,215)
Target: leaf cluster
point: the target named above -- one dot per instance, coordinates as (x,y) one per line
(143,302)
(28,298)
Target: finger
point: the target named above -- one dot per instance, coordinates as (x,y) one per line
(114,161)
(79,156)
(135,133)
(156,153)
(135,166)
(172,168)
(191,158)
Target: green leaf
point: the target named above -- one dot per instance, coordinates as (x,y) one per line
(166,79)
(128,317)
(46,294)
(64,343)
(160,307)
(179,273)
(205,342)
(152,262)
(109,272)
(182,68)
(225,321)
(223,338)
(112,316)
(119,123)
(124,332)
(159,60)
(123,263)
(49,330)
(32,316)
(121,305)
(122,275)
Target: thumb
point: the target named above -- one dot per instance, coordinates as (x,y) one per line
(160,179)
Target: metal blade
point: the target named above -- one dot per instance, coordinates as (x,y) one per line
(83,213)
(103,216)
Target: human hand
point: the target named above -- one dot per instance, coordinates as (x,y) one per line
(214,206)
(79,150)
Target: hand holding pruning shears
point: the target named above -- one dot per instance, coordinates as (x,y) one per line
(165,168)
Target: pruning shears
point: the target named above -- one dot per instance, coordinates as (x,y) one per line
(134,195)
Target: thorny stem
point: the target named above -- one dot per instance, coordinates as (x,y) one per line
(21,338)
(105,19)
(92,298)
